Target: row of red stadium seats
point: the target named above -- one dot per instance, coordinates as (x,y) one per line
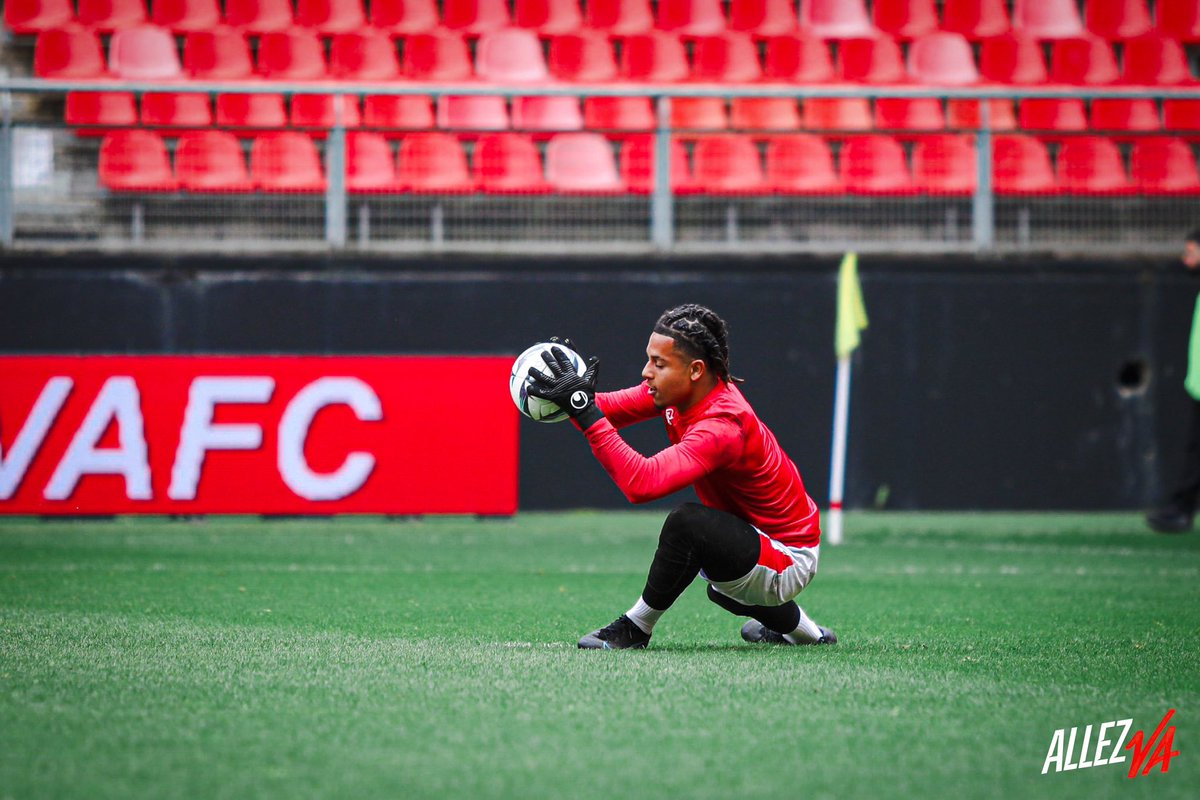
(516,55)
(96,110)
(1049,19)
(510,163)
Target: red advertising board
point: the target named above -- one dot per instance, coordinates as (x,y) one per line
(260,434)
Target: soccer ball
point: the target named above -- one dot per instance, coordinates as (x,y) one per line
(518,382)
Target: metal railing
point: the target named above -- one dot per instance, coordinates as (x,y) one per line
(670,223)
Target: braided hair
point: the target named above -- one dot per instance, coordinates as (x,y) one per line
(699,333)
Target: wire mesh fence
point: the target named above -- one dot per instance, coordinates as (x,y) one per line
(287,167)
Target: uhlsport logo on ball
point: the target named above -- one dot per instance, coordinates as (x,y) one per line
(519,382)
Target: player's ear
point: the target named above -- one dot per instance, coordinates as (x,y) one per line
(696,369)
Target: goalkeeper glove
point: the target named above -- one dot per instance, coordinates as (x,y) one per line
(567,389)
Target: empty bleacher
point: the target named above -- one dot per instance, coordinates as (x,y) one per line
(260,141)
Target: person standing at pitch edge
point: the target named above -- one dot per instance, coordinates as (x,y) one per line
(756,534)
(1176,516)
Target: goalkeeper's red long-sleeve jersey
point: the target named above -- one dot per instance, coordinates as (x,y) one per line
(720,447)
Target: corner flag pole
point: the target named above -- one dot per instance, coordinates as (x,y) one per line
(851,318)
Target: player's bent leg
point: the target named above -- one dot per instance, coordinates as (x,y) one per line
(782,624)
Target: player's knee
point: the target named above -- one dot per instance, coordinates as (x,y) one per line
(681,523)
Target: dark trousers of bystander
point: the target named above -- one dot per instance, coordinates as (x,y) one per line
(1187,491)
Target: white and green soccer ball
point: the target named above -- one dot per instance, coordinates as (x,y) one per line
(519,381)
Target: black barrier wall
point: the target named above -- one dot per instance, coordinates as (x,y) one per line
(1008,384)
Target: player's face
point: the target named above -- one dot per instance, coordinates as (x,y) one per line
(670,375)
(1191,255)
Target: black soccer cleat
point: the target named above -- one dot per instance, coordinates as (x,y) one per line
(1169,520)
(755,631)
(620,634)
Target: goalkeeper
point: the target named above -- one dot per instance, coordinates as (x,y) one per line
(755,536)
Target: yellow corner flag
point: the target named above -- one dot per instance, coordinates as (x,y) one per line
(851,313)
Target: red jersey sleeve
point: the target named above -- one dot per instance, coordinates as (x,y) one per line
(627,406)
(707,446)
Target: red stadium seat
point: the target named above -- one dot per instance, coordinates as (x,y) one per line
(975,19)
(437,56)
(24,17)
(295,55)
(186,16)
(370,166)
(143,53)
(1012,58)
(1181,115)
(401,17)
(328,17)
(1125,114)
(135,161)
(508,163)
(473,112)
(1021,165)
(763,17)
(546,114)
(619,114)
(398,112)
(319,111)
(219,54)
(691,17)
(1163,165)
(875,165)
(654,57)
(698,114)
(905,19)
(433,163)
(875,60)
(1119,19)
(728,58)
(110,15)
(801,164)
(728,164)
(909,114)
(838,114)
(211,161)
(475,16)
(945,165)
(836,19)
(799,59)
(1047,19)
(1156,61)
(286,161)
(1086,61)
(582,163)
(93,113)
(965,115)
(765,114)
(638,166)
(1092,165)
(250,112)
(944,59)
(1053,114)
(176,110)
(512,55)
(259,16)
(1179,20)
(364,55)
(581,57)
(68,53)
(620,17)
(549,17)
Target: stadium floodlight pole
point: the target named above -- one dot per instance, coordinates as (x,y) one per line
(851,318)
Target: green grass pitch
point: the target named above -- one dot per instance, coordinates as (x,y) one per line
(239,658)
